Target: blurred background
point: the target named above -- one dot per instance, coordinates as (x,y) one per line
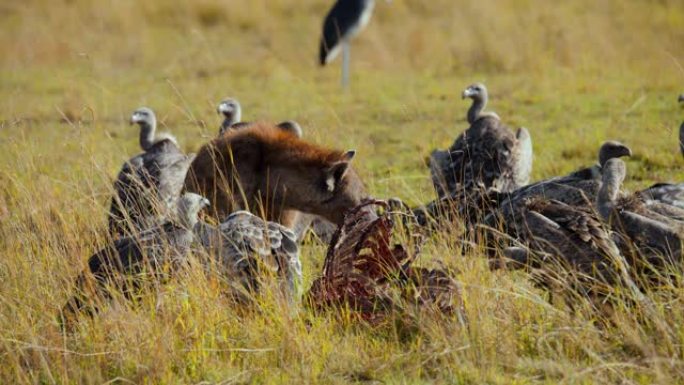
(211,37)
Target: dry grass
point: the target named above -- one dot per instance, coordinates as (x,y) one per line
(575,73)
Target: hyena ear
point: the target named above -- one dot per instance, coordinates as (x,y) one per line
(336,172)
(334,175)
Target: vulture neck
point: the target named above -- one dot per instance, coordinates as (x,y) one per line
(607,195)
(475,110)
(227,122)
(186,219)
(147,131)
(230,120)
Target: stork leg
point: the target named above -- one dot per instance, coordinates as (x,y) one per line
(346,57)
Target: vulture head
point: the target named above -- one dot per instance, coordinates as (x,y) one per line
(143,116)
(476,91)
(230,109)
(189,206)
(612,149)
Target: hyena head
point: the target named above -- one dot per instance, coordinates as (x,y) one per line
(325,185)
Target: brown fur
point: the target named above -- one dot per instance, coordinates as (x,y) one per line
(271,172)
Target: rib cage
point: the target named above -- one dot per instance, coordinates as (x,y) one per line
(365,272)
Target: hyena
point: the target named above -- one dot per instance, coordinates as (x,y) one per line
(273,173)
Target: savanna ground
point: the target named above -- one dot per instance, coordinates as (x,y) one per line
(575,73)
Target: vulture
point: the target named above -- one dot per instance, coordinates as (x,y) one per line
(149,184)
(246,246)
(577,188)
(609,149)
(232,114)
(127,259)
(366,272)
(657,238)
(570,241)
(488,155)
(608,196)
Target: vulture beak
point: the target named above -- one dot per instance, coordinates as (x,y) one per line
(467,93)
(222,108)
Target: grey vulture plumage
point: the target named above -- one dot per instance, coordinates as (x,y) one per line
(488,155)
(149,253)
(149,184)
(669,193)
(657,238)
(577,188)
(246,247)
(564,241)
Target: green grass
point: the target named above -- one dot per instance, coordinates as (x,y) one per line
(575,73)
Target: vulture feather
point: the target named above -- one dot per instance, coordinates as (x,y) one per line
(246,247)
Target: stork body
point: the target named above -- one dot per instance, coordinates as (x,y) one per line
(344,21)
